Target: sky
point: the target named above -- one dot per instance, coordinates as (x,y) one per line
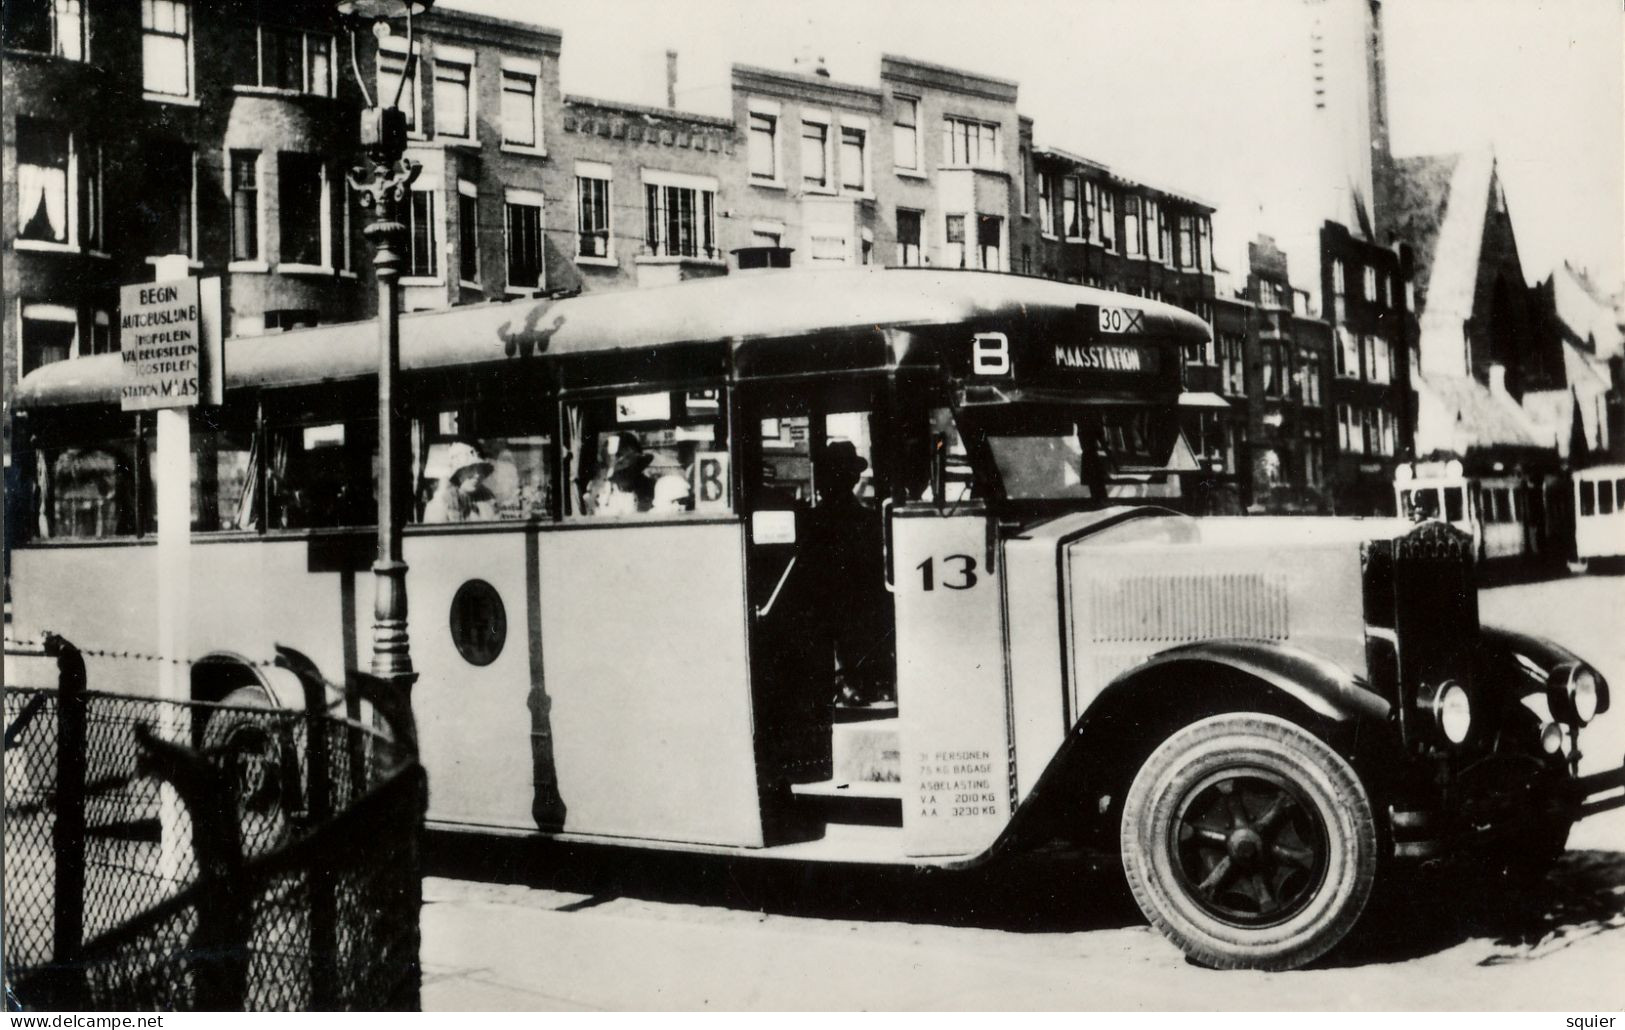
(1184,93)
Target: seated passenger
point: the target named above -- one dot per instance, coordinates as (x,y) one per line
(463,496)
(620,487)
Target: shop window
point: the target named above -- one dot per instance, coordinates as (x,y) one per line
(656,455)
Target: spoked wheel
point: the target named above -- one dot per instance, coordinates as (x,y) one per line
(1249,843)
(248,749)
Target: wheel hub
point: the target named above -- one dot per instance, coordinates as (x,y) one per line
(1248,847)
(1244,846)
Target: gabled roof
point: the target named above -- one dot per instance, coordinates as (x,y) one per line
(1475,415)
(1415,201)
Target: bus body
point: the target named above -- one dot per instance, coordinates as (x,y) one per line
(1599,512)
(858,566)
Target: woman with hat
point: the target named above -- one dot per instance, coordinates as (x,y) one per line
(463,496)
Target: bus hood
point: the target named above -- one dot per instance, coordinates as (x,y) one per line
(1137,581)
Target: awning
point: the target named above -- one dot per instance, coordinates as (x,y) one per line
(1202,400)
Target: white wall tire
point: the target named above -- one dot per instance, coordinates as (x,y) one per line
(1249,843)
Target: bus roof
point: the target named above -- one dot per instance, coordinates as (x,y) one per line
(734,308)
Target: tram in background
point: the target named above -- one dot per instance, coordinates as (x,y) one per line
(855,566)
(1599,513)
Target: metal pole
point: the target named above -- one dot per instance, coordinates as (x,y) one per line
(382,188)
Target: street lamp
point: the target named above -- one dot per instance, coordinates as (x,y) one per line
(381,188)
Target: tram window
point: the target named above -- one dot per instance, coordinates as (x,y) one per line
(1427,503)
(1452,504)
(1495,505)
(788,453)
(1588,497)
(1605,497)
(321,475)
(87,491)
(469,479)
(656,454)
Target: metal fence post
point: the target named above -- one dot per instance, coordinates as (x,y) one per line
(320,881)
(392,701)
(218,952)
(68,827)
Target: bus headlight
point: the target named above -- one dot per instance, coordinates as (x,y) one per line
(1452,711)
(1576,693)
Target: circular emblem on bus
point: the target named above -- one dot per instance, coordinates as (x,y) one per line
(479,622)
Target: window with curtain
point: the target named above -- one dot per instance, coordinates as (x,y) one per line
(166,47)
(42,180)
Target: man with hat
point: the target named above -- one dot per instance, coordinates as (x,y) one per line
(463,496)
(844,546)
(621,487)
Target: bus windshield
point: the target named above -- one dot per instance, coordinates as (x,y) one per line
(1070,452)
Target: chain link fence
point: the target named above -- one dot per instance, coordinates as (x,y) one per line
(165,855)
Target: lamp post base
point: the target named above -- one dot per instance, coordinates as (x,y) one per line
(391,657)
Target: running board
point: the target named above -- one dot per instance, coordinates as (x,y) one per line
(859,802)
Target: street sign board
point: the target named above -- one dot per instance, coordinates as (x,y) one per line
(161,339)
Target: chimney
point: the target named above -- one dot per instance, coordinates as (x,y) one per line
(671,79)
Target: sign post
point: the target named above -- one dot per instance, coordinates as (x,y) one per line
(162,337)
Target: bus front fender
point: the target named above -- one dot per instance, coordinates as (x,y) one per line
(1080,791)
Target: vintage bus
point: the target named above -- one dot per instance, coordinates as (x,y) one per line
(1599,513)
(862,566)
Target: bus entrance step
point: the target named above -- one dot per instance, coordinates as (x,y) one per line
(857,802)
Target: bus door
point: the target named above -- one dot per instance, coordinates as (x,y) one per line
(877,630)
(956,772)
(816,468)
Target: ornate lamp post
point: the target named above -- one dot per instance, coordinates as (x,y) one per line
(381,188)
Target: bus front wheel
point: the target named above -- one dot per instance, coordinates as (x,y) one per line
(1249,843)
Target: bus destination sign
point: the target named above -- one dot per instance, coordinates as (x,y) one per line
(160,338)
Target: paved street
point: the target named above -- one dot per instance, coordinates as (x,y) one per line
(594,929)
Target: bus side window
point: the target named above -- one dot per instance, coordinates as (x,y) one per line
(1605,497)
(656,454)
(1588,497)
(87,491)
(320,475)
(466,479)
(222,473)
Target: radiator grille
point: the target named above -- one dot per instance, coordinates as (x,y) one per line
(1181,607)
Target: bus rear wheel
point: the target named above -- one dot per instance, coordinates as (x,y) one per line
(251,752)
(1249,843)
